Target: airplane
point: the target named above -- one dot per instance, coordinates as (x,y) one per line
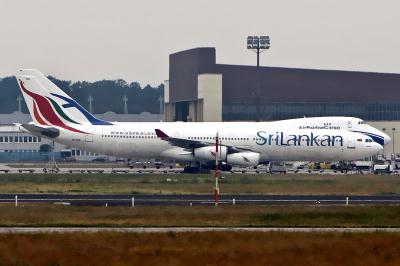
(58,117)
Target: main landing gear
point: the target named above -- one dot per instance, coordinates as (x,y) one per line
(344,167)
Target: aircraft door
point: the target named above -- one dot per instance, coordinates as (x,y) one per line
(89,136)
(349,125)
(351,142)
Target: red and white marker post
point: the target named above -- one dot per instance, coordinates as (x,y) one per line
(216,188)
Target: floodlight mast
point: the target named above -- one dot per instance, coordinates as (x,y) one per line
(258,44)
(216,174)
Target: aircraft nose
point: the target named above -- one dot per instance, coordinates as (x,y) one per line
(386,139)
(376,148)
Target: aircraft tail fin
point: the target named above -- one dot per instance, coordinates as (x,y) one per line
(48,104)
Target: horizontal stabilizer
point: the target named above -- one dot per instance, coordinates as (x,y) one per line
(50,132)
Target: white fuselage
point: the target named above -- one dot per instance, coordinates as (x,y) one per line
(272,140)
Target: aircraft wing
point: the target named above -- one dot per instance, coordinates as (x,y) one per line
(192,144)
(183,143)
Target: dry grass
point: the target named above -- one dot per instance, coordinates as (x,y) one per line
(185,184)
(214,248)
(313,216)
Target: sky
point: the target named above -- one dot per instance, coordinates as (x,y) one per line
(130,39)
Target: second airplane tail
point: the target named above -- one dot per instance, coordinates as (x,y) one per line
(49,105)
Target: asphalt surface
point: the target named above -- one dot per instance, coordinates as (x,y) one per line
(65,169)
(187,200)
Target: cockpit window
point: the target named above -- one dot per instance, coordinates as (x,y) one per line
(368,140)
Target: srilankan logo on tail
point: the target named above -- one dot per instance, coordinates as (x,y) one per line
(43,108)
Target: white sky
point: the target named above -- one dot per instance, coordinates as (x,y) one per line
(92,40)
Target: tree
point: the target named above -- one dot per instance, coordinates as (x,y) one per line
(107,95)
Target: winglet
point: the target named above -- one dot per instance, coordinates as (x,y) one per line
(161,134)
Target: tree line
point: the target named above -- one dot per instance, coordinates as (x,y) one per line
(107,95)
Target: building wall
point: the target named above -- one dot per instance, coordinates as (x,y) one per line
(18,146)
(384,111)
(210,92)
(392,129)
(166,91)
(192,117)
(286,92)
(307,85)
(169,112)
(183,70)
(278,84)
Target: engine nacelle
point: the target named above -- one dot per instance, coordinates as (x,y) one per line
(178,154)
(244,158)
(208,153)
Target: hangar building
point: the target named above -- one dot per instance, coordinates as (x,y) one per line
(199,89)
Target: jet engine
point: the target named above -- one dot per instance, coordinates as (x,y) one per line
(208,153)
(244,158)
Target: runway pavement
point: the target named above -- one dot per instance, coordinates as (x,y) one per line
(100,169)
(186,200)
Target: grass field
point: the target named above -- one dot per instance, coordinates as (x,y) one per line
(223,216)
(214,248)
(186,184)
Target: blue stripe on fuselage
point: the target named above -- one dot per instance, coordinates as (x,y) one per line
(374,137)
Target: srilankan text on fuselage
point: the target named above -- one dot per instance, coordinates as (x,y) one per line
(282,138)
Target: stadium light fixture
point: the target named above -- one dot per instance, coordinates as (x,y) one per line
(264,42)
(258,44)
(250,42)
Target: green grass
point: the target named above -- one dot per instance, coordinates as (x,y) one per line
(201,184)
(241,215)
